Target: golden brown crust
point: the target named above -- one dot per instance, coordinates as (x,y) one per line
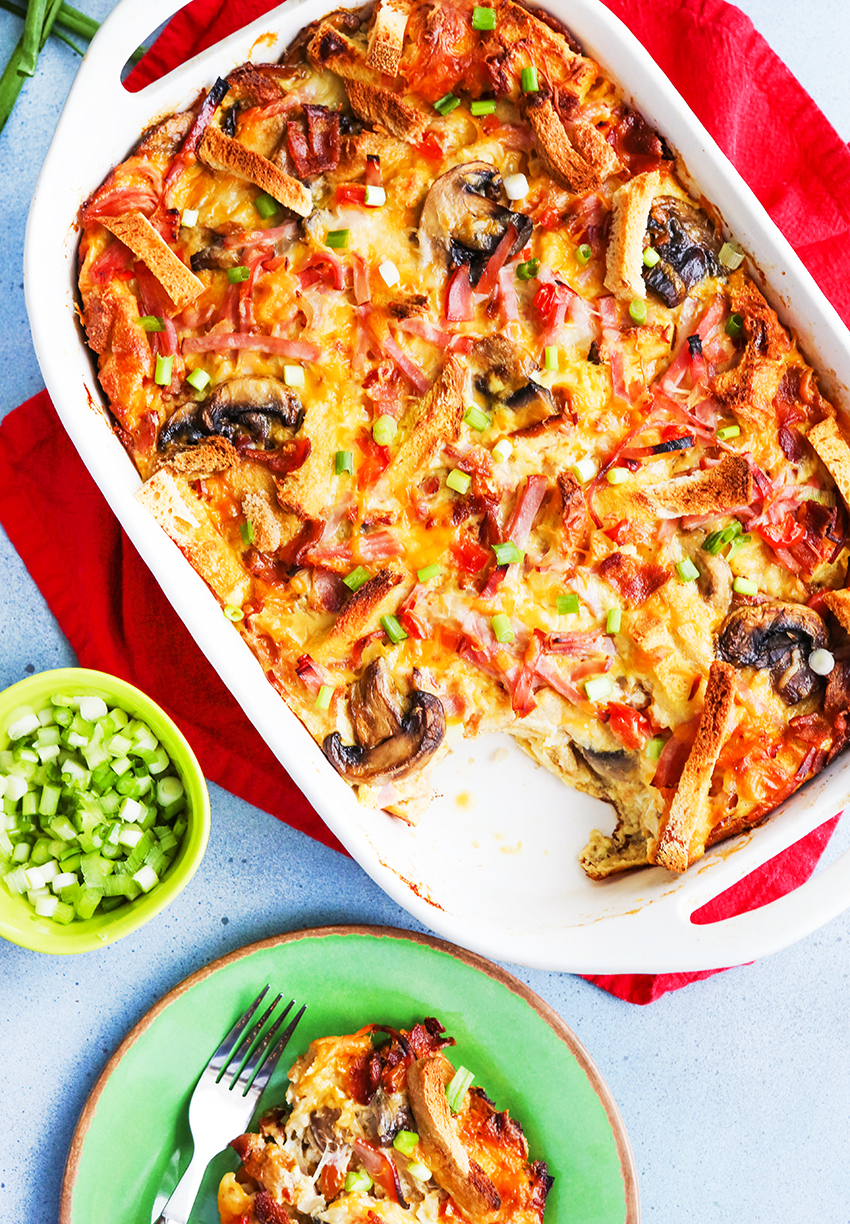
(717,490)
(330,48)
(689,822)
(212,455)
(361,614)
(221,152)
(749,388)
(833,452)
(376,105)
(630,214)
(386,38)
(579,161)
(437,421)
(137,233)
(265,525)
(838,603)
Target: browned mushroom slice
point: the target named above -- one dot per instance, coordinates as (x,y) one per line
(250,408)
(463,221)
(686,241)
(446,1156)
(407,749)
(777,636)
(376,709)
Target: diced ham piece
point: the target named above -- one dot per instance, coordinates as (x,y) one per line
(460,305)
(219,342)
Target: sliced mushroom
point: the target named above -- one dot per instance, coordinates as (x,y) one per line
(777,636)
(613,766)
(447,1158)
(216,255)
(463,221)
(183,428)
(413,739)
(249,407)
(686,241)
(500,367)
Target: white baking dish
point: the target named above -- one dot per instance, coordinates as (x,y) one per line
(493,866)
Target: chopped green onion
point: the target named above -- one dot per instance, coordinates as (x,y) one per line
(501,627)
(482,106)
(584,470)
(735,547)
(323,697)
(419,1170)
(567,605)
(476,418)
(357,1180)
(266,205)
(687,571)
(384,429)
(654,747)
(392,628)
(462,1078)
(238,274)
(293,376)
(528,80)
(405,1141)
(528,270)
(199,379)
(598,688)
(731,256)
(428,572)
(343,462)
(189,218)
(458,480)
(376,196)
(162,372)
(502,450)
(734,325)
(447,104)
(650,257)
(151,323)
(551,357)
(483,18)
(337,239)
(584,253)
(246,530)
(637,310)
(354,581)
(729,431)
(745,586)
(618,475)
(233,613)
(614,620)
(508,553)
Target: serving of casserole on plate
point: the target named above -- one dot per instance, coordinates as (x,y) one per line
(466,406)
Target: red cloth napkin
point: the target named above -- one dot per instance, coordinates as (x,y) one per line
(114,614)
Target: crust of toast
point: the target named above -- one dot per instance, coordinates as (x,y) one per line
(624,259)
(838,603)
(330,48)
(264,522)
(137,233)
(212,455)
(360,615)
(834,453)
(716,490)
(579,161)
(437,422)
(386,38)
(688,824)
(376,105)
(221,152)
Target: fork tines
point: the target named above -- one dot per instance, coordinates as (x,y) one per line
(252,1064)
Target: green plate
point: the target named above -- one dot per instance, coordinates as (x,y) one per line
(132,1141)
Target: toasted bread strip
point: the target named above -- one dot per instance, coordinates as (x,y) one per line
(624,259)
(580,160)
(749,388)
(360,615)
(437,422)
(838,603)
(448,1159)
(212,455)
(137,233)
(168,499)
(376,105)
(264,522)
(714,491)
(221,152)
(386,39)
(833,452)
(689,821)
(329,48)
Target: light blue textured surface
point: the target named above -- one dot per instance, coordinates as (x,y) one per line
(735,1091)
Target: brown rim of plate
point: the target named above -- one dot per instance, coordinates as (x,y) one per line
(546,1013)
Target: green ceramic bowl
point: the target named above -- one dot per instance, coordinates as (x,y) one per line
(18,923)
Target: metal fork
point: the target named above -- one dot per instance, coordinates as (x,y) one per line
(217,1112)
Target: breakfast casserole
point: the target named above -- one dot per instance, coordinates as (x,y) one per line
(471,413)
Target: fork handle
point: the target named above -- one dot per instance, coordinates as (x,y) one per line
(179,1207)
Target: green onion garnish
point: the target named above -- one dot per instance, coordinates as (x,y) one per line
(189,218)
(343,462)
(246,530)
(293,376)
(508,553)
(336,238)
(501,627)
(745,586)
(462,1078)
(419,1170)
(614,620)
(528,80)
(266,206)
(405,1141)
(458,480)
(598,688)
(428,572)
(323,697)
(356,1180)
(734,325)
(392,628)
(528,270)
(476,418)
(483,18)
(199,379)
(729,431)
(482,106)
(654,747)
(151,323)
(376,196)
(718,540)
(446,104)
(384,429)
(731,256)
(356,578)
(735,547)
(650,257)
(618,475)
(637,310)
(567,605)
(584,253)
(238,274)
(687,571)
(584,470)
(233,613)
(162,373)
(551,357)
(502,450)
